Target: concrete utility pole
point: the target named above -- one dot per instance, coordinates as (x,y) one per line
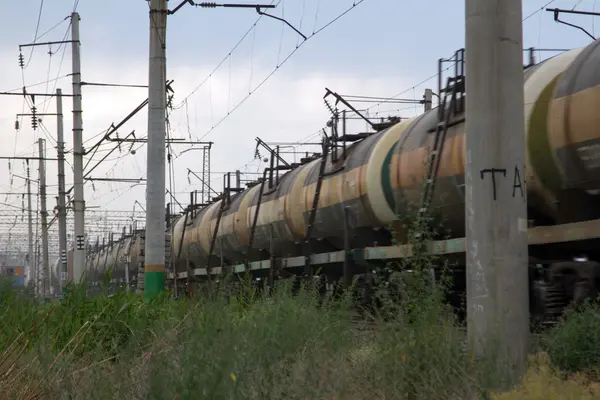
(428,99)
(32,264)
(78,199)
(496,212)
(154,267)
(44,215)
(62,209)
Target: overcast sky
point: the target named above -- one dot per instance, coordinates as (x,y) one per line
(379,48)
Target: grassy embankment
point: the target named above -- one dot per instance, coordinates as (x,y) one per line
(281,347)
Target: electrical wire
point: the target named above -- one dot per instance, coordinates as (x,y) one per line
(447,68)
(62,57)
(181,103)
(47,133)
(278,67)
(576,5)
(35,36)
(36,84)
(54,27)
(538,10)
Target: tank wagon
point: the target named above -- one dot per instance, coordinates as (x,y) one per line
(15,273)
(339,211)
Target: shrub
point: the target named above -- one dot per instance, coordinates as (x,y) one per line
(574,344)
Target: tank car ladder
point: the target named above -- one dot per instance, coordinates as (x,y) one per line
(225,203)
(455,86)
(213,237)
(180,249)
(313,210)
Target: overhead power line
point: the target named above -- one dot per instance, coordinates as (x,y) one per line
(538,10)
(389,99)
(316,32)
(182,102)
(36,84)
(37,27)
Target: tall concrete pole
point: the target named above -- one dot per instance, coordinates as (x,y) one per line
(154,267)
(62,209)
(32,264)
(44,215)
(496,201)
(428,99)
(36,258)
(78,199)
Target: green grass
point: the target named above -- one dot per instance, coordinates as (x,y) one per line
(288,345)
(250,346)
(247,346)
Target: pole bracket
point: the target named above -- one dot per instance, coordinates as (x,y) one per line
(557,12)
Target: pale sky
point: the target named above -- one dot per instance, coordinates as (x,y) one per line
(379,48)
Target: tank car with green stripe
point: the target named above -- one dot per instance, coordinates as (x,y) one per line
(368,189)
(386,170)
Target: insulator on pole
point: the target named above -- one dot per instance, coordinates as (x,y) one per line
(21,60)
(34,120)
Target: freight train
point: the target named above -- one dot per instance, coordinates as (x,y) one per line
(339,210)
